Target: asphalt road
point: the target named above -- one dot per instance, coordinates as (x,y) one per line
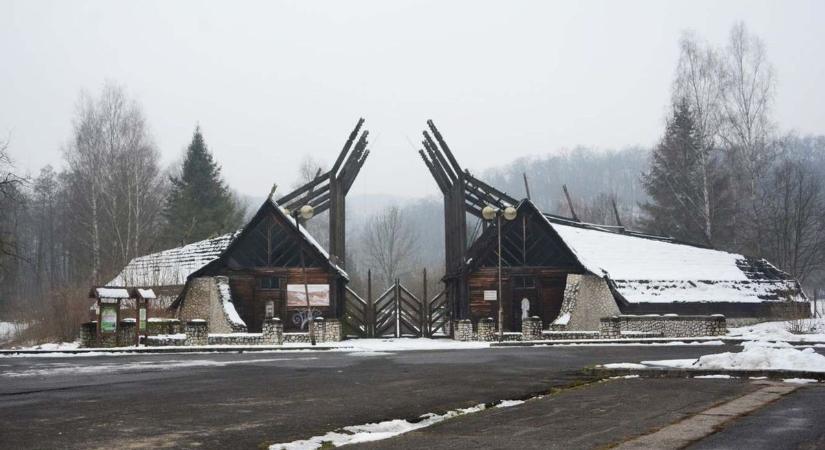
(251,400)
(793,422)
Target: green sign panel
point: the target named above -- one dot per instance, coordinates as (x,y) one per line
(108,318)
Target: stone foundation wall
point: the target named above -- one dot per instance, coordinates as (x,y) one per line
(552,335)
(124,336)
(162,326)
(667,326)
(326,330)
(166,340)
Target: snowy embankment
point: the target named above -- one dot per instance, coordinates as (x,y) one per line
(755,355)
(813,330)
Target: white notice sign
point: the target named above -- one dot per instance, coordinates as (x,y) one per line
(490,296)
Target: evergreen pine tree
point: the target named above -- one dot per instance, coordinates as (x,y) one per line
(200,205)
(675,181)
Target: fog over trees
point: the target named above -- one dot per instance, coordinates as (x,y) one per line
(723,174)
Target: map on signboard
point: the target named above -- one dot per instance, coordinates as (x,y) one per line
(108,319)
(296,296)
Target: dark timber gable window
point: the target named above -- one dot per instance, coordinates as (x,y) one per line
(269,283)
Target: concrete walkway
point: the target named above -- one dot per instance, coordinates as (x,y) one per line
(594,416)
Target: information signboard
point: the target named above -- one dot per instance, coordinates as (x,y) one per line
(108,318)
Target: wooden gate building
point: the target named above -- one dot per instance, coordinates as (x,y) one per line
(571,274)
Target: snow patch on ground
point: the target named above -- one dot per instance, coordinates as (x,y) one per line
(624,366)
(9,329)
(53,346)
(382,430)
(56,369)
(756,355)
(509,403)
(402,344)
(799,380)
(709,377)
(778,331)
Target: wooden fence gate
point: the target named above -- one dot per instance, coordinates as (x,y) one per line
(397,312)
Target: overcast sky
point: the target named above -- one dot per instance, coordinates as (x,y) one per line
(272,81)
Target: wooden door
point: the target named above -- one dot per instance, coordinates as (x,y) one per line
(524,300)
(552,296)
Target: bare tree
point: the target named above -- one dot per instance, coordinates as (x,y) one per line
(318,227)
(749,92)
(10,197)
(115,184)
(700,81)
(389,244)
(791,208)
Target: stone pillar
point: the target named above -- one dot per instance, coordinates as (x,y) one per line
(126,332)
(609,327)
(88,334)
(463,330)
(197,332)
(317,325)
(333,331)
(718,325)
(486,329)
(531,328)
(273,331)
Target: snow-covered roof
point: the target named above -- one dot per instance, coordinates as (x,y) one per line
(146,293)
(109,292)
(651,269)
(229,310)
(171,267)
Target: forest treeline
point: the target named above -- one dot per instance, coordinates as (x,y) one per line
(723,174)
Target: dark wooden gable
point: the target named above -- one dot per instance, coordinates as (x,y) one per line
(527,241)
(270,240)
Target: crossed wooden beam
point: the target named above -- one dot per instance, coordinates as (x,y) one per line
(318,192)
(448,175)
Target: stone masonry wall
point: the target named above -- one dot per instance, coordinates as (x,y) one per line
(203,300)
(667,326)
(587,298)
(162,326)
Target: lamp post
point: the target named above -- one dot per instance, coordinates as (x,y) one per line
(300,214)
(490,213)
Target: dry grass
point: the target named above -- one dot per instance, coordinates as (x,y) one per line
(55,318)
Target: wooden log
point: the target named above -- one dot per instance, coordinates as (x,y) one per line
(301,190)
(444,147)
(347,146)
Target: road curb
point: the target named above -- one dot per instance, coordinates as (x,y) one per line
(692,341)
(166,350)
(656,372)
